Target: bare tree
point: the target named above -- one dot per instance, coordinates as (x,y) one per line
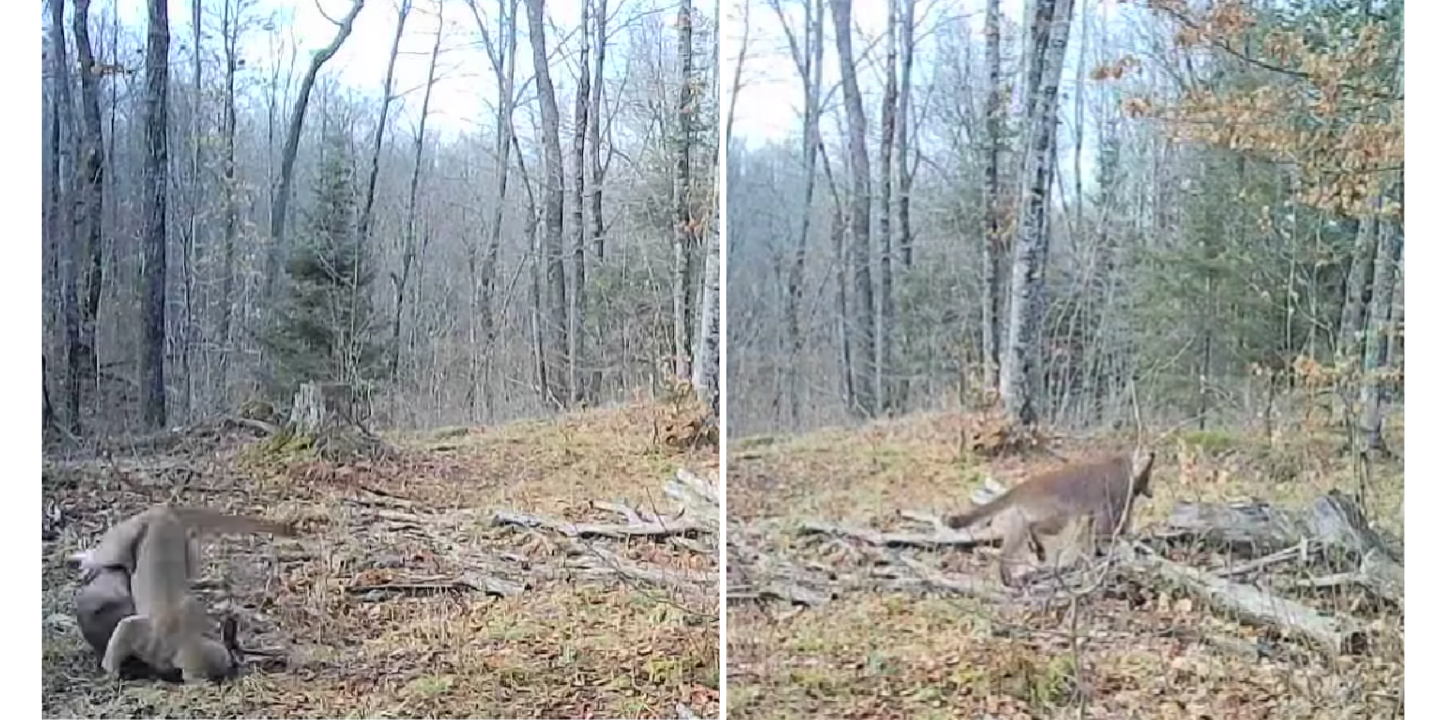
(597,100)
(157,95)
(502,62)
(903,119)
(683,237)
(90,207)
(62,232)
(552,211)
(885,318)
(578,230)
(990,243)
(1377,331)
(377,141)
(292,144)
(859,221)
(401,280)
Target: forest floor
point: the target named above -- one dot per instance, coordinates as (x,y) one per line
(401,597)
(886,645)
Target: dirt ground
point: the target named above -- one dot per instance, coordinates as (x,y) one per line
(387,604)
(884,649)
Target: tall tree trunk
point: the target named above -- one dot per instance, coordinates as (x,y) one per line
(377,141)
(597,169)
(63,237)
(864,325)
(578,230)
(902,143)
(1048,36)
(157,96)
(292,146)
(1357,284)
(1372,385)
(990,243)
(502,61)
(190,261)
(597,100)
(553,209)
(809,64)
(885,318)
(680,195)
(90,216)
(707,361)
(230,29)
(407,253)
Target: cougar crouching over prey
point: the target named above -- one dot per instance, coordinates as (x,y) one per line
(135,608)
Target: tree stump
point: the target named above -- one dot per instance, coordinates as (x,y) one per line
(328,415)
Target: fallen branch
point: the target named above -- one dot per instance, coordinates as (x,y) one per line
(428,586)
(940,539)
(658,529)
(1336,635)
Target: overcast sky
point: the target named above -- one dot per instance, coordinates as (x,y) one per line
(771,97)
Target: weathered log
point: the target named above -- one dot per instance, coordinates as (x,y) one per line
(1337,635)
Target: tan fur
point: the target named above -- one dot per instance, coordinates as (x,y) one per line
(1048,505)
(167,631)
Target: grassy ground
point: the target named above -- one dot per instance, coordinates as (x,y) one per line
(573,644)
(893,654)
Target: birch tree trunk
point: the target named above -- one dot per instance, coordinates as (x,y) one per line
(863,328)
(552,211)
(1048,36)
(990,243)
(902,143)
(682,240)
(157,96)
(230,39)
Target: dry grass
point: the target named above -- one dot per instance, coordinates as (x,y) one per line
(1129,654)
(572,645)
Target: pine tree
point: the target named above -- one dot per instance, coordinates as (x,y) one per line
(326,327)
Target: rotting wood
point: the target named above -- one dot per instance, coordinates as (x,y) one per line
(1337,635)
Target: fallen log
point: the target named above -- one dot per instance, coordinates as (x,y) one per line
(1337,635)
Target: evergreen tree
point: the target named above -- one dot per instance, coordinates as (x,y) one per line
(325,330)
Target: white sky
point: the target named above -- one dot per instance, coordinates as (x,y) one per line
(771,96)
(463,95)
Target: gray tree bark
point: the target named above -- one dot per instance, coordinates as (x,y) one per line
(863,327)
(1049,34)
(377,141)
(407,253)
(990,243)
(578,230)
(1377,331)
(157,97)
(90,206)
(683,236)
(63,236)
(885,317)
(502,62)
(552,211)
